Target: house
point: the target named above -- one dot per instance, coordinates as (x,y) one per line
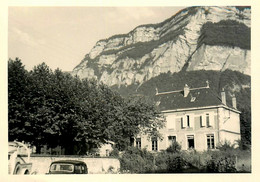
(105,149)
(196,118)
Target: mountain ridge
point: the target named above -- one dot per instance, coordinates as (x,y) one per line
(173,45)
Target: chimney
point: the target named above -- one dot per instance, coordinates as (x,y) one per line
(207,82)
(186,90)
(234,102)
(223,96)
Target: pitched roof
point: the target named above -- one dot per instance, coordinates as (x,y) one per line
(198,97)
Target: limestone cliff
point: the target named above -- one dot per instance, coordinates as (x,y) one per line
(209,38)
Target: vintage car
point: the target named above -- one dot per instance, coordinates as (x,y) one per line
(19,158)
(68,167)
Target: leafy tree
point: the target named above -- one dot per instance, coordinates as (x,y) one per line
(54,108)
(17,92)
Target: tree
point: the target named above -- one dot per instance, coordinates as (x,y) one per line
(17,92)
(54,108)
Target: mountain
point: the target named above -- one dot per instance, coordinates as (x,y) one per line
(196,38)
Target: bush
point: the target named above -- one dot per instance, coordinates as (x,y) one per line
(114,153)
(174,148)
(226,146)
(220,165)
(135,160)
(161,161)
(193,158)
(175,163)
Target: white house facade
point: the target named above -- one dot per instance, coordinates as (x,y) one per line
(196,118)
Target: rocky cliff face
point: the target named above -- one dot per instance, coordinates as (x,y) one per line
(182,42)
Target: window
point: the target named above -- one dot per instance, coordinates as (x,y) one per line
(191,142)
(138,143)
(207,120)
(171,140)
(154,144)
(188,121)
(210,141)
(62,167)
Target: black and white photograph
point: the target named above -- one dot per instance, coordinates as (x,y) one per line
(118,90)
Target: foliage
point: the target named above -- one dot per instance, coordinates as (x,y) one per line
(226,33)
(174,148)
(135,160)
(175,163)
(161,161)
(114,152)
(17,93)
(220,165)
(54,108)
(226,146)
(169,162)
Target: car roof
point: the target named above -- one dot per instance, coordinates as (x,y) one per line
(69,161)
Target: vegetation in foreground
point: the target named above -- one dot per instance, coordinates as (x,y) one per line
(53,108)
(226,159)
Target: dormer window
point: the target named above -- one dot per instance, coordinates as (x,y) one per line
(193,99)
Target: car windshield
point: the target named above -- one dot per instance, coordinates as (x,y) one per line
(62,167)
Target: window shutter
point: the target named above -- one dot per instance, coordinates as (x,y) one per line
(184,122)
(204,120)
(191,120)
(211,119)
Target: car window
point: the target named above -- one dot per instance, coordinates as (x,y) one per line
(62,167)
(78,169)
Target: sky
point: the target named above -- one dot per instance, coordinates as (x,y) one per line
(62,36)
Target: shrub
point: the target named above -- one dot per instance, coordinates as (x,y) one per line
(219,165)
(192,158)
(114,152)
(226,146)
(161,161)
(175,163)
(135,160)
(174,148)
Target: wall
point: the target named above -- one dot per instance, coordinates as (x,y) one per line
(229,126)
(227,136)
(173,120)
(229,120)
(40,164)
